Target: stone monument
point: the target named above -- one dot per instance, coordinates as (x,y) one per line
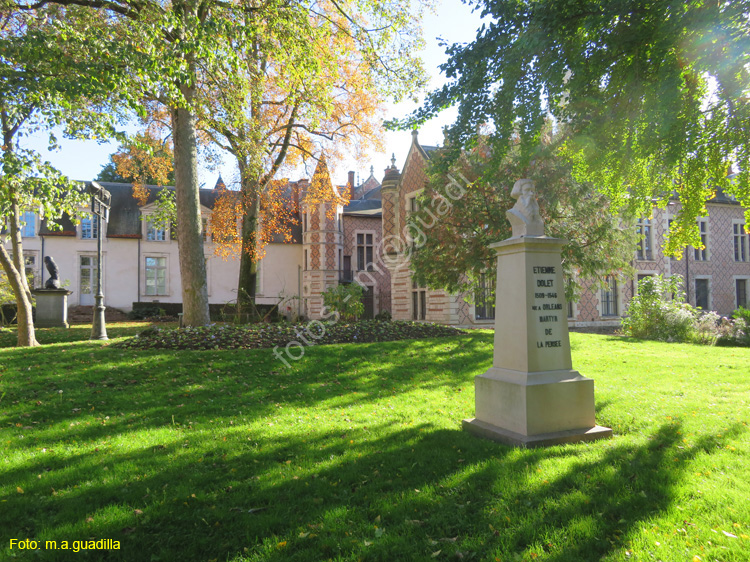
(52,301)
(532,396)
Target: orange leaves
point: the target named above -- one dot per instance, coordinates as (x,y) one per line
(274,212)
(322,192)
(144,159)
(224,223)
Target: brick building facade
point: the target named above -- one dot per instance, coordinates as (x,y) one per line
(716,278)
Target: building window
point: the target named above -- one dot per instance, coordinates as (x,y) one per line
(305,268)
(609,297)
(87,289)
(418,301)
(156,276)
(304,221)
(645,241)
(740,288)
(28,229)
(702,294)
(571,313)
(702,255)
(155,233)
(741,242)
(89,227)
(29,263)
(412,204)
(484,306)
(364,252)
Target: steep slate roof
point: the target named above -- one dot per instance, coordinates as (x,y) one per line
(368,207)
(374,193)
(124,216)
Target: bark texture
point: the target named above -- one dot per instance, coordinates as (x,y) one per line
(189,235)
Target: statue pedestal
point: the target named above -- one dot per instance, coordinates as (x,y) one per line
(532,396)
(51,308)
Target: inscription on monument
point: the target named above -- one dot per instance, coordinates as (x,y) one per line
(547,302)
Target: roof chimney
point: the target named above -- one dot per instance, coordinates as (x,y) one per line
(350,195)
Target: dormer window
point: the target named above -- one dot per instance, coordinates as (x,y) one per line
(28,230)
(155,233)
(89,227)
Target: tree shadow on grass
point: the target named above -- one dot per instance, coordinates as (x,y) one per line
(85,383)
(401,496)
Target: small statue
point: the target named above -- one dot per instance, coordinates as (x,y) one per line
(524,217)
(54,281)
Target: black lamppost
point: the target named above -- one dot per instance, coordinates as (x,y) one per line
(100,204)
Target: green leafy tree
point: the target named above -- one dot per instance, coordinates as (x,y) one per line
(164,49)
(462,211)
(345,300)
(188,47)
(42,86)
(656,95)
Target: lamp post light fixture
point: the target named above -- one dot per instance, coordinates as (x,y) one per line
(101,200)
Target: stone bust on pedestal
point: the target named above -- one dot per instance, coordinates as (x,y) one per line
(524,217)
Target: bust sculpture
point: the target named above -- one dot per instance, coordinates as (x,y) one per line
(524,217)
(54,281)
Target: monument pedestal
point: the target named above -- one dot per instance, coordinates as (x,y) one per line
(532,396)
(51,308)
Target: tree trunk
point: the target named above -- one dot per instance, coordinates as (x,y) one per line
(248,263)
(189,224)
(24,318)
(15,269)
(248,260)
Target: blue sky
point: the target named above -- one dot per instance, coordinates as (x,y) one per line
(452,21)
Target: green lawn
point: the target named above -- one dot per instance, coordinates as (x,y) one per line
(357,453)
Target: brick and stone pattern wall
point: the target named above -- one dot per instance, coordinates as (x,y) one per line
(380,277)
(413,179)
(322,241)
(401,294)
(314,283)
(388,222)
(720,268)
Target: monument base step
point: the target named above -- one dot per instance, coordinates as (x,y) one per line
(489,431)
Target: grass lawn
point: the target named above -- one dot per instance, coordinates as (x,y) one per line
(356,453)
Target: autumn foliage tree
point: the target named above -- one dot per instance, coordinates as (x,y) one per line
(462,212)
(310,82)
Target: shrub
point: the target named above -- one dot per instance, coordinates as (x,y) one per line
(144,312)
(742,314)
(707,328)
(658,311)
(345,300)
(734,332)
(383,316)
